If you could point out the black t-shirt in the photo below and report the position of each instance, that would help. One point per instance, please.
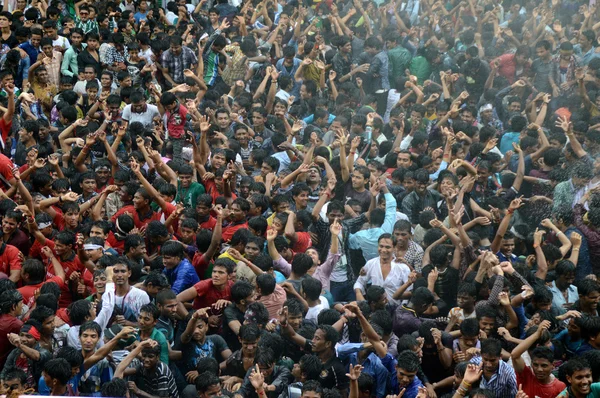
(446, 285)
(12, 41)
(232, 313)
(334, 372)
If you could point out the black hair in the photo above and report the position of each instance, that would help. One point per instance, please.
(491, 346)
(90, 325)
(205, 380)
(301, 263)
(115, 388)
(241, 290)
(408, 361)
(266, 283)
(58, 369)
(151, 309)
(226, 263)
(312, 287)
(72, 355)
(470, 327)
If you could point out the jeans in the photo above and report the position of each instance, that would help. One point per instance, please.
(342, 291)
(178, 144)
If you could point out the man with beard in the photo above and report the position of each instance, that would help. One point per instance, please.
(537, 380)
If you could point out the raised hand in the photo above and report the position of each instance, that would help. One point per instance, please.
(355, 372)
(472, 374)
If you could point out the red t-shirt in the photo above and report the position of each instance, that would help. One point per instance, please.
(229, 230)
(176, 122)
(8, 324)
(118, 245)
(303, 242)
(9, 260)
(208, 295)
(71, 265)
(28, 291)
(140, 222)
(5, 163)
(211, 189)
(200, 264)
(209, 224)
(533, 388)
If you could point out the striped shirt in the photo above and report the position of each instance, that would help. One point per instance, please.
(159, 382)
(503, 383)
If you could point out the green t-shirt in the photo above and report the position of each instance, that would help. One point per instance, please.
(189, 195)
(160, 338)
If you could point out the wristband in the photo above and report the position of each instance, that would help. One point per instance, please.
(510, 211)
(536, 245)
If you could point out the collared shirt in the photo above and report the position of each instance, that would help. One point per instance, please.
(367, 239)
(69, 65)
(32, 51)
(397, 276)
(176, 64)
(182, 277)
(503, 383)
(88, 26)
(371, 365)
(558, 299)
(54, 68)
(321, 228)
(414, 256)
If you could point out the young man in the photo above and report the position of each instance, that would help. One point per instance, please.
(95, 369)
(207, 292)
(147, 320)
(236, 364)
(194, 340)
(265, 373)
(188, 190)
(579, 375)
(141, 210)
(150, 373)
(178, 269)
(57, 373)
(497, 376)
(243, 294)
(407, 317)
(129, 300)
(537, 380)
(323, 345)
(239, 210)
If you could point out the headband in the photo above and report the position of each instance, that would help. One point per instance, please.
(44, 225)
(91, 246)
(486, 107)
(32, 331)
(119, 228)
(515, 233)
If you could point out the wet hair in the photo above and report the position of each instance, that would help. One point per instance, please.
(58, 369)
(408, 361)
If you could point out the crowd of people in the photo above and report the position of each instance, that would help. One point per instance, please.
(283, 199)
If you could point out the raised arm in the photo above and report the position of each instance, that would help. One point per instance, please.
(514, 205)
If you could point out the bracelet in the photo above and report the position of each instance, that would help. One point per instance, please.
(510, 211)
(466, 383)
(60, 199)
(559, 232)
(575, 248)
(536, 245)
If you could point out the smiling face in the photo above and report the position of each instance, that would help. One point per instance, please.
(580, 381)
(385, 248)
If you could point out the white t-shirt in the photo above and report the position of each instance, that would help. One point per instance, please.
(145, 118)
(313, 312)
